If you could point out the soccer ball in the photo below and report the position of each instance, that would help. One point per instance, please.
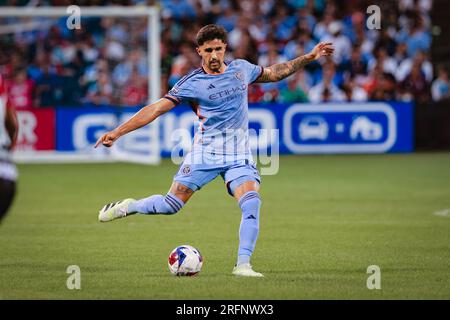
(185, 260)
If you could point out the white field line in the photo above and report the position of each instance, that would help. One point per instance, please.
(442, 213)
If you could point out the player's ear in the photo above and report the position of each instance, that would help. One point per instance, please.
(198, 50)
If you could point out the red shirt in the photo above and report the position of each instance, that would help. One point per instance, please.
(21, 94)
(2, 86)
(134, 95)
(3, 92)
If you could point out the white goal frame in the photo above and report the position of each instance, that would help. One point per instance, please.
(154, 74)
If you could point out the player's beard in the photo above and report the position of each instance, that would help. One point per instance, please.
(214, 65)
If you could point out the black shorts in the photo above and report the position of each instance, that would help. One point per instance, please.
(7, 192)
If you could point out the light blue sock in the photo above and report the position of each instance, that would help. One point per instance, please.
(156, 204)
(250, 204)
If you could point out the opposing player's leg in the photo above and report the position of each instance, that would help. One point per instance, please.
(7, 192)
(243, 184)
(171, 203)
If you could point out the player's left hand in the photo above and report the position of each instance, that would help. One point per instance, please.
(323, 49)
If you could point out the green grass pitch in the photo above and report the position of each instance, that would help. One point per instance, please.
(324, 220)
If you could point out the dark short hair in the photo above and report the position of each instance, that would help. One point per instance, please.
(211, 32)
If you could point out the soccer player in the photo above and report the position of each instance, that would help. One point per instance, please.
(8, 137)
(217, 92)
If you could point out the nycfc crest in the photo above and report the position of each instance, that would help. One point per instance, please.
(239, 76)
(186, 170)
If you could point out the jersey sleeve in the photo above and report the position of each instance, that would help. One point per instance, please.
(181, 92)
(251, 71)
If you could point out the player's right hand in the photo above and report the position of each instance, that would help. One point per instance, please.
(107, 139)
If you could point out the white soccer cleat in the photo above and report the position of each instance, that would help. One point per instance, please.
(245, 270)
(112, 211)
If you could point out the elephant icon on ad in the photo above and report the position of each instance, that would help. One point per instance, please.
(362, 127)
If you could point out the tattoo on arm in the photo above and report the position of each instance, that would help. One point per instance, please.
(280, 71)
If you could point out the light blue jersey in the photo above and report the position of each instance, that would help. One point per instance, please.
(221, 143)
(220, 102)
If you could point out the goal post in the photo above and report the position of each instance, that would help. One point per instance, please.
(150, 133)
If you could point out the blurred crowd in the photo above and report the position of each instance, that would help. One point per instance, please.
(105, 62)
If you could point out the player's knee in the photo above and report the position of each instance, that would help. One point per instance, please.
(173, 204)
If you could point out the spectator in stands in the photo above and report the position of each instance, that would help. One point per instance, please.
(326, 90)
(122, 72)
(386, 42)
(418, 38)
(180, 9)
(373, 79)
(15, 62)
(227, 16)
(284, 24)
(100, 92)
(259, 30)
(49, 92)
(183, 62)
(415, 86)
(272, 56)
(401, 53)
(87, 45)
(255, 94)
(235, 36)
(340, 42)
(114, 50)
(354, 92)
(58, 60)
(356, 67)
(406, 66)
(440, 89)
(387, 63)
(321, 29)
(306, 19)
(385, 90)
(71, 75)
(296, 90)
(247, 49)
(135, 92)
(302, 42)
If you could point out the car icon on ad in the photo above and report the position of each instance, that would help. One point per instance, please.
(365, 129)
(313, 127)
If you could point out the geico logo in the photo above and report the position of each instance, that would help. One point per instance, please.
(27, 124)
(85, 123)
(144, 140)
